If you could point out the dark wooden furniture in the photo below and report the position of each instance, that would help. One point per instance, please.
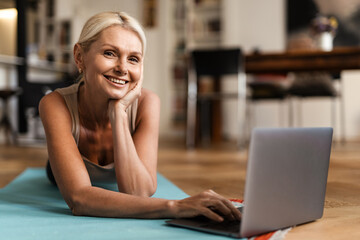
(338, 59)
(214, 63)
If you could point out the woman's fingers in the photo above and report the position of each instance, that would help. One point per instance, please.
(134, 93)
(226, 208)
(128, 99)
(211, 215)
(235, 212)
(209, 204)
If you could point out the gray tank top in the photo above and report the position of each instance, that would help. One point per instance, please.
(97, 173)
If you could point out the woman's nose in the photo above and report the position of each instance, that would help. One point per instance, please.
(121, 68)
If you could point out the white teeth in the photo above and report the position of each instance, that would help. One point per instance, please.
(117, 80)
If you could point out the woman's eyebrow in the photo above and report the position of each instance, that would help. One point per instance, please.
(117, 49)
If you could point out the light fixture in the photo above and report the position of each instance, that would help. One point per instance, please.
(8, 13)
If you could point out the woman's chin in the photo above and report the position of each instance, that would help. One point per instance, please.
(115, 95)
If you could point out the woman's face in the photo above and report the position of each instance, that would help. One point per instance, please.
(114, 63)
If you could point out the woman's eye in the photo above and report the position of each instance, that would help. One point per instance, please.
(134, 59)
(109, 53)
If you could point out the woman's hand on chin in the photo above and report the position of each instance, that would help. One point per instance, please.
(123, 103)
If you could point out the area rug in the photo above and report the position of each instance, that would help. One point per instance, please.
(32, 208)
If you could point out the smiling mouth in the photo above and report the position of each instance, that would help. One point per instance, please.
(115, 80)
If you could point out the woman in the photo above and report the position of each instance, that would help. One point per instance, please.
(105, 128)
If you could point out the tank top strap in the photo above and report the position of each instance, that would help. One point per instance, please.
(70, 95)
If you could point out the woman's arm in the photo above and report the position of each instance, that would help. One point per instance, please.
(72, 177)
(135, 157)
(83, 199)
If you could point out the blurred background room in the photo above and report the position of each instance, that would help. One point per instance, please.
(37, 37)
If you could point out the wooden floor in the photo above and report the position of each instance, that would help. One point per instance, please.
(222, 169)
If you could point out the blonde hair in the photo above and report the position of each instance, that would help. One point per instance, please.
(99, 22)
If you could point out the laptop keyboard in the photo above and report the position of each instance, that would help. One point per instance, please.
(232, 226)
(225, 226)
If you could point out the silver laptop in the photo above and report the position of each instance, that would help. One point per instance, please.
(285, 182)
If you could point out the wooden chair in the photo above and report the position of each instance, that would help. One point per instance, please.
(265, 88)
(319, 85)
(214, 63)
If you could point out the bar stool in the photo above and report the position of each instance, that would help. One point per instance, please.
(10, 132)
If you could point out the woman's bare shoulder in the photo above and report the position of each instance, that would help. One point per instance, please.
(149, 97)
(52, 107)
(149, 106)
(51, 98)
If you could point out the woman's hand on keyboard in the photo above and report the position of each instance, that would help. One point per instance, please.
(209, 204)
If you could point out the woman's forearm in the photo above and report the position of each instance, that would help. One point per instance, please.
(93, 201)
(132, 175)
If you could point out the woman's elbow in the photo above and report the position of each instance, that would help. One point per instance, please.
(76, 204)
(76, 210)
(152, 190)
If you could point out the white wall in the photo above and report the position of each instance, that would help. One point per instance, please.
(351, 86)
(252, 24)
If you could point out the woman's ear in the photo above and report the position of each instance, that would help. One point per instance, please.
(78, 57)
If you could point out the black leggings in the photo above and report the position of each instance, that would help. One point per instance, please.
(50, 174)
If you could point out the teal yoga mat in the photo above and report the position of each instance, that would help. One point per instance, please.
(32, 208)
